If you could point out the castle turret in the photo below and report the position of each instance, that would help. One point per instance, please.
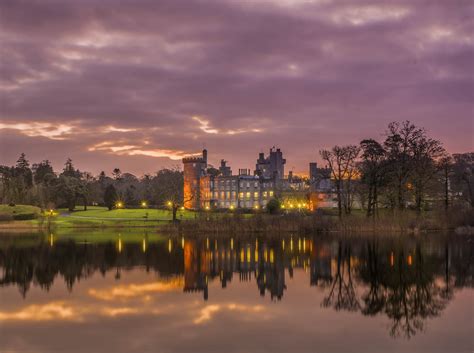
(194, 169)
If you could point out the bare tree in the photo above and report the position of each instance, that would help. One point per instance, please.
(342, 163)
(372, 170)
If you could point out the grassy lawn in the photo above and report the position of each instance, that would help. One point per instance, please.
(141, 214)
(19, 210)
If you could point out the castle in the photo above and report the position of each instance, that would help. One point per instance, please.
(206, 188)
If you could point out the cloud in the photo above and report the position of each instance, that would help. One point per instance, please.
(231, 75)
(48, 130)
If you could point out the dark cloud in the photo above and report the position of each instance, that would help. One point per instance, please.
(299, 74)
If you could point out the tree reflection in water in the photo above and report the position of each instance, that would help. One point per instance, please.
(408, 281)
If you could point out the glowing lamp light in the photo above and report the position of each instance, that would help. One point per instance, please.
(207, 207)
(119, 204)
(182, 208)
(144, 204)
(231, 207)
(257, 207)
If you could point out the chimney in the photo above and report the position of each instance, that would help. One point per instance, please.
(204, 155)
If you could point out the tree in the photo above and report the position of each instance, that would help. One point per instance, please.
(168, 188)
(273, 206)
(372, 170)
(426, 154)
(463, 176)
(342, 163)
(445, 165)
(67, 190)
(69, 170)
(22, 179)
(41, 170)
(130, 198)
(44, 177)
(110, 196)
(116, 173)
(398, 145)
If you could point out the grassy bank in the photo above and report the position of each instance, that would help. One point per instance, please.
(327, 221)
(234, 223)
(94, 217)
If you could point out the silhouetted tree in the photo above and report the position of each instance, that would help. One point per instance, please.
(110, 196)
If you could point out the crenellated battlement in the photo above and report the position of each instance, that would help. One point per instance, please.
(193, 160)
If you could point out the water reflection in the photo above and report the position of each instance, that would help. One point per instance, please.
(406, 280)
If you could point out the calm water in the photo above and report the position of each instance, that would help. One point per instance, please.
(147, 293)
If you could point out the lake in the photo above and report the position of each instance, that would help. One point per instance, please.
(144, 292)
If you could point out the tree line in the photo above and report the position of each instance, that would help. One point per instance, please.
(408, 169)
(40, 185)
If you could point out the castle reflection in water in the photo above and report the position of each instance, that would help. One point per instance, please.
(264, 262)
(407, 280)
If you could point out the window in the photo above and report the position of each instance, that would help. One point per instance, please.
(241, 195)
(256, 184)
(248, 184)
(228, 194)
(255, 194)
(271, 193)
(248, 195)
(264, 194)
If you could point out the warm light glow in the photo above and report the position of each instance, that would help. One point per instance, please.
(119, 204)
(169, 203)
(119, 245)
(144, 204)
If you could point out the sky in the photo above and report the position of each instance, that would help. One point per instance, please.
(139, 84)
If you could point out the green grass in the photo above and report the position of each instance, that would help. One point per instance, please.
(141, 214)
(19, 209)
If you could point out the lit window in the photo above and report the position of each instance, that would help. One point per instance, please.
(248, 195)
(255, 194)
(264, 194)
(241, 195)
(271, 193)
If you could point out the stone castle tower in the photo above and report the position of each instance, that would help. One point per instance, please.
(194, 169)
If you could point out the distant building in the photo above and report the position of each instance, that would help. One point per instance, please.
(313, 171)
(224, 169)
(203, 190)
(272, 166)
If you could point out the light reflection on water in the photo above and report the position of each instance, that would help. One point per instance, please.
(151, 293)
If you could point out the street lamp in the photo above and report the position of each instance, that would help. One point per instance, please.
(144, 204)
(119, 204)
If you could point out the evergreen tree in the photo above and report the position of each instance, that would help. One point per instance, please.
(110, 196)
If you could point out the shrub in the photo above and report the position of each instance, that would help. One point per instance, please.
(273, 206)
(4, 217)
(24, 216)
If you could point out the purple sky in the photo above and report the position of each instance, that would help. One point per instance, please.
(138, 84)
